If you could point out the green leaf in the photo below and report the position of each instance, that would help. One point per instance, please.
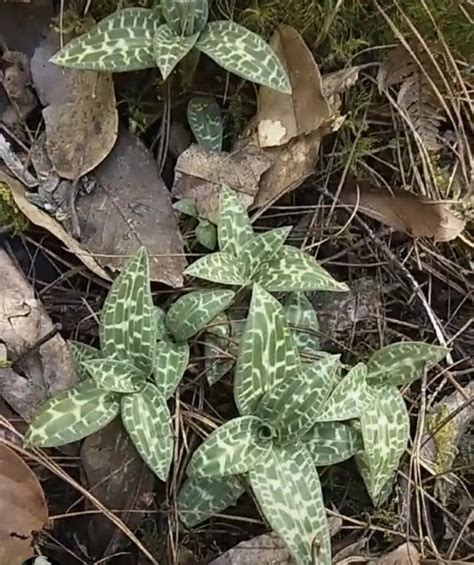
(121, 42)
(403, 362)
(160, 320)
(205, 120)
(221, 268)
(293, 405)
(206, 234)
(262, 247)
(303, 322)
(288, 491)
(200, 498)
(128, 320)
(82, 352)
(348, 400)
(234, 448)
(170, 48)
(332, 442)
(115, 376)
(218, 348)
(244, 53)
(185, 17)
(169, 366)
(385, 430)
(186, 206)
(267, 354)
(193, 311)
(147, 419)
(234, 228)
(293, 270)
(72, 415)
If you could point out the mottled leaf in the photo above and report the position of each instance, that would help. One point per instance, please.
(332, 442)
(267, 354)
(220, 267)
(114, 375)
(169, 365)
(244, 53)
(303, 322)
(234, 448)
(121, 42)
(193, 311)
(82, 352)
(262, 247)
(217, 348)
(204, 117)
(185, 17)
(234, 228)
(147, 419)
(170, 48)
(160, 320)
(72, 415)
(206, 234)
(289, 493)
(294, 270)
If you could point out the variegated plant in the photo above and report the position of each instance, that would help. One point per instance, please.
(204, 230)
(138, 38)
(143, 357)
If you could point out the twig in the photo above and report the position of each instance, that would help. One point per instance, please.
(41, 341)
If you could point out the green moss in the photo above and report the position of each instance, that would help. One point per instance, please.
(444, 438)
(10, 215)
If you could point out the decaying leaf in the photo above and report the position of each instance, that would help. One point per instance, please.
(405, 554)
(129, 208)
(281, 117)
(22, 508)
(404, 211)
(336, 83)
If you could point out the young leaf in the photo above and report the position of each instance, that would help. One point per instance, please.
(170, 48)
(293, 405)
(206, 234)
(193, 311)
(82, 352)
(385, 430)
(186, 206)
(147, 419)
(73, 415)
(401, 363)
(349, 398)
(234, 448)
(262, 247)
(185, 17)
(200, 498)
(294, 270)
(221, 268)
(128, 320)
(121, 42)
(332, 442)
(303, 323)
(267, 354)
(169, 365)
(288, 491)
(234, 228)
(204, 117)
(114, 375)
(243, 53)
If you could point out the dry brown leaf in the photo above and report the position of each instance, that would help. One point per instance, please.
(405, 554)
(414, 215)
(281, 117)
(23, 508)
(336, 83)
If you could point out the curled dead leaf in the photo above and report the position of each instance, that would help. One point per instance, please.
(405, 554)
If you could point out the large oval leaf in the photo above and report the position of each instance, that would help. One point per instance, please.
(114, 375)
(170, 48)
(169, 365)
(73, 415)
(332, 442)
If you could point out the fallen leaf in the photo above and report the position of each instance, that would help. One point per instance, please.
(22, 507)
(336, 83)
(404, 211)
(131, 207)
(40, 218)
(405, 554)
(281, 117)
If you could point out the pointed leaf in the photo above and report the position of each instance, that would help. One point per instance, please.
(332, 442)
(244, 53)
(289, 493)
(204, 117)
(401, 363)
(82, 352)
(303, 322)
(385, 430)
(115, 376)
(294, 270)
(294, 404)
(72, 415)
(185, 17)
(234, 228)
(200, 498)
(221, 268)
(232, 449)
(121, 42)
(262, 247)
(193, 311)
(349, 398)
(160, 319)
(169, 49)
(128, 318)
(206, 234)
(218, 348)
(147, 419)
(267, 354)
(169, 365)
(186, 206)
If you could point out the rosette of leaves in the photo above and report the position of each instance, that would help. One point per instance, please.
(139, 38)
